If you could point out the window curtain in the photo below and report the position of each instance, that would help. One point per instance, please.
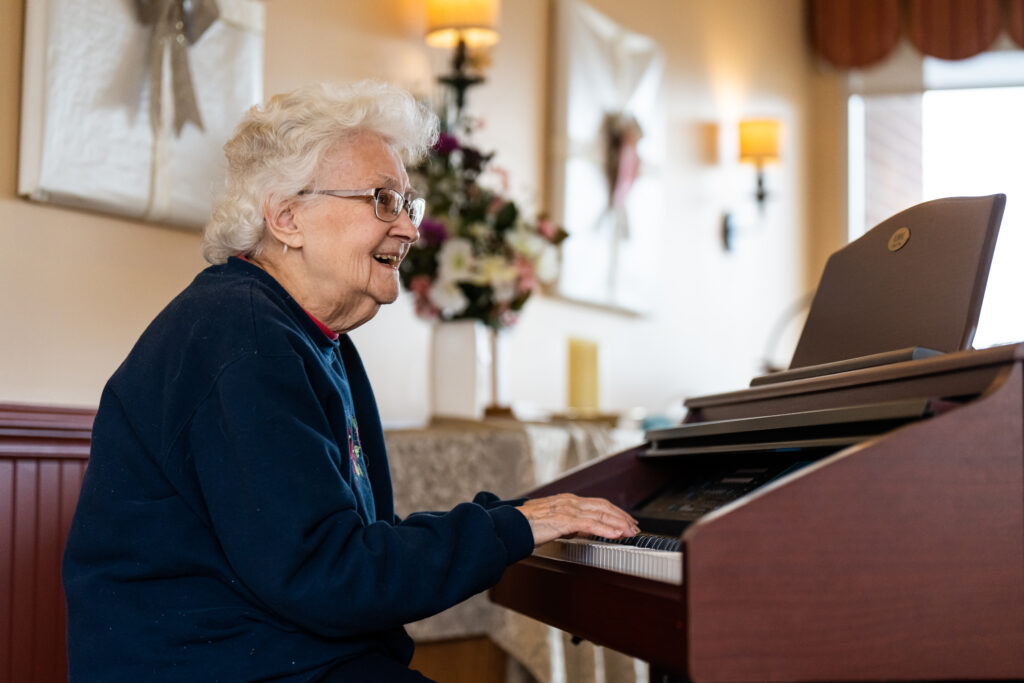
(858, 33)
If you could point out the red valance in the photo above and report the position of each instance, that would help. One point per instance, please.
(852, 33)
(1015, 21)
(953, 29)
(858, 33)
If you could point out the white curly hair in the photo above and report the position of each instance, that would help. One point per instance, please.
(277, 150)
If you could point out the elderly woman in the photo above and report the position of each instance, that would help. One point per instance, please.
(236, 519)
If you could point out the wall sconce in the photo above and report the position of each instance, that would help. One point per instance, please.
(461, 24)
(759, 145)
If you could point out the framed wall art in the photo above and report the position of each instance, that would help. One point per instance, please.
(604, 160)
(126, 104)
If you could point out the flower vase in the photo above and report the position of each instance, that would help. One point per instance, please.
(465, 371)
(496, 407)
(460, 369)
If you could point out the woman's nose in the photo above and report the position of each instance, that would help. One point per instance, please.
(403, 229)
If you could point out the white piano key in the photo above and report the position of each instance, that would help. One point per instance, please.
(659, 565)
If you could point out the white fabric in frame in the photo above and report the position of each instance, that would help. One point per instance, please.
(602, 67)
(86, 139)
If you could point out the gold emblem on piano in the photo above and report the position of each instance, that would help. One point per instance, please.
(899, 238)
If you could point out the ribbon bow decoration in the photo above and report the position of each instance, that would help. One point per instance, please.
(176, 25)
(621, 134)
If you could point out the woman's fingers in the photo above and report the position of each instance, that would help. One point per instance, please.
(566, 515)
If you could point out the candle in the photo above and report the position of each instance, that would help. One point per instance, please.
(583, 386)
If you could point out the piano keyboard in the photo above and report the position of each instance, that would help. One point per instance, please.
(649, 557)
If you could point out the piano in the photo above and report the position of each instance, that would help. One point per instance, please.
(854, 518)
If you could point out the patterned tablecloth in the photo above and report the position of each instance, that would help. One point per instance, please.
(448, 462)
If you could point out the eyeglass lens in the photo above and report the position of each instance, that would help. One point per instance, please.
(389, 204)
(417, 208)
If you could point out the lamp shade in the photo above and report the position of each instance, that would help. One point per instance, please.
(474, 21)
(759, 140)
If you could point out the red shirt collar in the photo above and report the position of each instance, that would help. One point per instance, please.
(328, 332)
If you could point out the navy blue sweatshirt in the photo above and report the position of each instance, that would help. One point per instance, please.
(236, 518)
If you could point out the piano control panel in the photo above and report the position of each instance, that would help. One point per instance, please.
(701, 490)
(713, 463)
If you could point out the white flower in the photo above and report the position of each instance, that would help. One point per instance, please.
(548, 263)
(448, 297)
(500, 275)
(456, 261)
(481, 232)
(526, 242)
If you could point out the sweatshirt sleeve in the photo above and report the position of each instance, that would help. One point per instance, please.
(489, 500)
(273, 479)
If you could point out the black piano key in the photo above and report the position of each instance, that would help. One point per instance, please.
(647, 541)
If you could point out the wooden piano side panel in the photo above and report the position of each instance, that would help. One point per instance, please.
(43, 454)
(899, 559)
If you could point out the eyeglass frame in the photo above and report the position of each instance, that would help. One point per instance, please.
(373, 193)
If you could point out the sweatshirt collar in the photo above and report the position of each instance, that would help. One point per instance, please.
(327, 332)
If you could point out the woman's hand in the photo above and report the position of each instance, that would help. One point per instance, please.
(568, 515)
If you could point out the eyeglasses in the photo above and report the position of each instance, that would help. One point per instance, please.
(387, 203)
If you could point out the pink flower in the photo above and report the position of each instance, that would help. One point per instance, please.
(420, 285)
(526, 275)
(426, 310)
(547, 228)
(502, 176)
(508, 318)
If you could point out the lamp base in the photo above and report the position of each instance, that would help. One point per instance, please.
(494, 410)
(459, 80)
(762, 193)
(728, 232)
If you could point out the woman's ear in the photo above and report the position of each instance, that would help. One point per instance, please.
(282, 225)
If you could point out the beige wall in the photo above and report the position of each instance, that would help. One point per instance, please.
(76, 289)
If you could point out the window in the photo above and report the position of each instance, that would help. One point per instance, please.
(948, 141)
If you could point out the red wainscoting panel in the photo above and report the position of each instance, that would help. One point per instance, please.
(43, 453)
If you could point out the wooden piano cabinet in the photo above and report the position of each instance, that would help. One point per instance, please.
(43, 452)
(898, 559)
(640, 617)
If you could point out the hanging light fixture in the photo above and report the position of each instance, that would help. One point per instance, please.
(461, 25)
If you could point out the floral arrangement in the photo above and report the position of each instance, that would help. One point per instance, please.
(477, 258)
